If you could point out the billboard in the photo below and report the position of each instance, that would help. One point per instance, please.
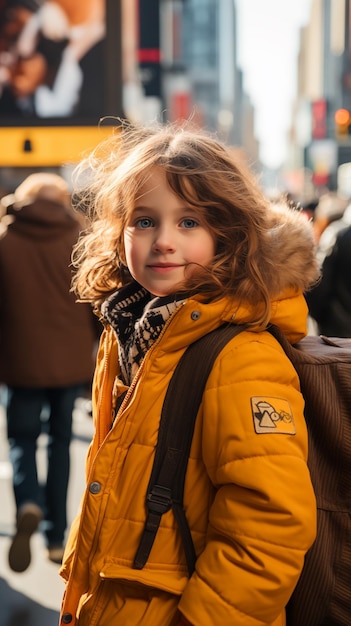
(60, 73)
(52, 60)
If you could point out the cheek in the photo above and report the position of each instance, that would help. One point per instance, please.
(126, 241)
(127, 249)
(132, 249)
(203, 250)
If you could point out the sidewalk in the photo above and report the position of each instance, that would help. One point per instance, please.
(33, 598)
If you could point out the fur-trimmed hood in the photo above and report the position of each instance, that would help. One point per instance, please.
(290, 258)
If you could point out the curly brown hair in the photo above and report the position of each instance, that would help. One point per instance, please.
(201, 171)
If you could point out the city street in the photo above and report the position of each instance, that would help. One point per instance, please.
(33, 598)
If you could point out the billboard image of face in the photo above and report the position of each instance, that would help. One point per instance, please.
(51, 60)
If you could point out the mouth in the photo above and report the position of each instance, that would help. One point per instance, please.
(163, 267)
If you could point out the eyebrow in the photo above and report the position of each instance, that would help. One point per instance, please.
(188, 209)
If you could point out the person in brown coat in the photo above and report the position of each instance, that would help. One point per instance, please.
(47, 349)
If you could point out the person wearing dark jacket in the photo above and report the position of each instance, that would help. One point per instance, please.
(329, 302)
(47, 349)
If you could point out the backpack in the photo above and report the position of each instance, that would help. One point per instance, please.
(322, 596)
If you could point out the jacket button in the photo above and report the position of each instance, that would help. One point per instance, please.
(66, 618)
(195, 315)
(95, 487)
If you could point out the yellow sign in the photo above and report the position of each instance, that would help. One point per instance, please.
(45, 146)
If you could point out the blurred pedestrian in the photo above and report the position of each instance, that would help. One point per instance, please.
(47, 344)
(329, 301)
(330, 208)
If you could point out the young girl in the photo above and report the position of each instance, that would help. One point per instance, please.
(182, 241)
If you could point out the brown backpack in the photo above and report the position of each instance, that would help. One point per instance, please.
(322, 596)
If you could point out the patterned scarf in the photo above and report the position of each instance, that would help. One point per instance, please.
(137, 318)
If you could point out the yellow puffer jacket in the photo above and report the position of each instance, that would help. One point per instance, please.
(248, 495)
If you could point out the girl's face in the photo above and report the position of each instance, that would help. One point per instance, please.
(164, 238)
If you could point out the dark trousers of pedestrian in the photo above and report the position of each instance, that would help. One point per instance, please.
(25, 423)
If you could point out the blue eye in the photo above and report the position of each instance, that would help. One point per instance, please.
(144, 222)
(189, 223)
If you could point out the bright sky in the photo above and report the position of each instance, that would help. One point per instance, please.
(268, 38)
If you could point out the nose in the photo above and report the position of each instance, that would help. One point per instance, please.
(164, 240)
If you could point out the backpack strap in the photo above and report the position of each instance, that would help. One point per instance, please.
(177, 422)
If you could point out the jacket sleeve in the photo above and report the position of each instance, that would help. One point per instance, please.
(263, 516)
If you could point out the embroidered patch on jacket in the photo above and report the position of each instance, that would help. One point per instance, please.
(272, 415)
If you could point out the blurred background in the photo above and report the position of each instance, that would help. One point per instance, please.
(273, 79)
